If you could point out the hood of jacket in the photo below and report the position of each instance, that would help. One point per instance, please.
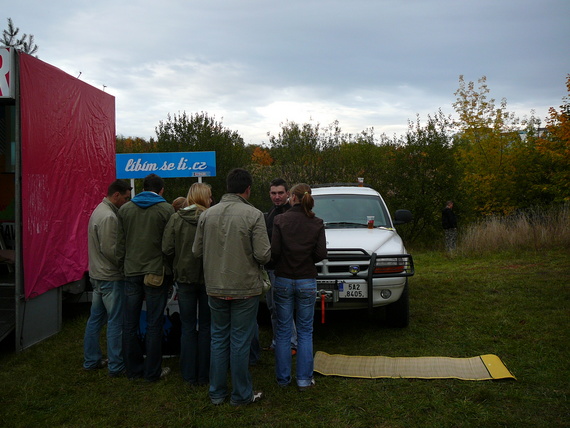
(147, 199)
(188, 214)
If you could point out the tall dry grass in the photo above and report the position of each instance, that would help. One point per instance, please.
(534, 229)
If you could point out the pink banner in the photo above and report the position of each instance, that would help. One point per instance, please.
(68, 161)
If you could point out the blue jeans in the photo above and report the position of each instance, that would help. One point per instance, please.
(271, 306)
(233, 327)
(106, 308)
(135, 291)
(294, 296)
(194, 343)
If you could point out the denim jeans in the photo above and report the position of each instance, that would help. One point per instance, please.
(294, 296)
(135, 291)
(106, 308)
(271, 306)
(255, 348)
(233, 327)
(195, 338)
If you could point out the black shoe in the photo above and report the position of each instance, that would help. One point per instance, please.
(304, 388)
(101, 364)
(120, 373)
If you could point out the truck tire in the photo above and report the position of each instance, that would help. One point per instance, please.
(398, 313)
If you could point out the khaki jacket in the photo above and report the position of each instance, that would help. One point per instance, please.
(177, 246)
(101, 242)
(232, 239)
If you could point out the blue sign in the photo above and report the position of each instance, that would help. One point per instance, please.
(166, 164)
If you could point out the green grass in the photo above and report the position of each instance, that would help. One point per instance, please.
(514, 305)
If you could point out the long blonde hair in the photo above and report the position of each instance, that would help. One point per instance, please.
(200, 194)
(302, 192)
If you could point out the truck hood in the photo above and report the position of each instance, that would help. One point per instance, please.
(378, 240)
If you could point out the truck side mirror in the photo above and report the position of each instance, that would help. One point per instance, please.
(402, 217)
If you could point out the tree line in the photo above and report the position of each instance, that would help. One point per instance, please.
(487, 160)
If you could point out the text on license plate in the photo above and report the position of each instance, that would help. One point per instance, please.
(350, 290)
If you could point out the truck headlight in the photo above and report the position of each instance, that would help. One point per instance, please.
(384, 266)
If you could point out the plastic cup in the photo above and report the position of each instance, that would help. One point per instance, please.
(360, 181)
(370, 221)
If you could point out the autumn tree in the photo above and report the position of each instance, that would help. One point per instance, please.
(554, 147)
(25, 43)
(261, 156)
(485, 137)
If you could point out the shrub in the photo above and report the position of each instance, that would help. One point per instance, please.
(535, 229)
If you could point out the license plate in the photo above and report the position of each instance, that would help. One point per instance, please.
(351, 290)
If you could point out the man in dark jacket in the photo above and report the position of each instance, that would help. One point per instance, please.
(139, 250)
(279, 194)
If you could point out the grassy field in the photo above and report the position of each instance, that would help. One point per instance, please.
(515, 305)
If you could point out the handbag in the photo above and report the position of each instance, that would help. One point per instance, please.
(153, 280)
(265, 281)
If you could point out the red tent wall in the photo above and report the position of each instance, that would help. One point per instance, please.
(67, 163)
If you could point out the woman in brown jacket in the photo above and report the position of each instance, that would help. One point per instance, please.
(297, 243)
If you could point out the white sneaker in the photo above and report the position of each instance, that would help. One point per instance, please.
(165, 372)
(257, 396)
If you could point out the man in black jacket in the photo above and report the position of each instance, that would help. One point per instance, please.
(279, 194)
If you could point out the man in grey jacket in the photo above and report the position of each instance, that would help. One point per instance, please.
(107, 281)
(232, 239)
(139, 249)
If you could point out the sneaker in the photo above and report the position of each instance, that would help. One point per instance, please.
(218, 401)
(101, 364)
(304, 388)
(255, 398)
(165, 372)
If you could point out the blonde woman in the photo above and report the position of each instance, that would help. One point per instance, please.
(189, 276)
(297, 243)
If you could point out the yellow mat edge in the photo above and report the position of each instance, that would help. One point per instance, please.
(496, 368)
(493, 364)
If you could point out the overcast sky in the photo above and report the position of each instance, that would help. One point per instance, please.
(254, 64)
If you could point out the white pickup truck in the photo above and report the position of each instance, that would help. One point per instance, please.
(367, 264)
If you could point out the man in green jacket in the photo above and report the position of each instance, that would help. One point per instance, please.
(139, 250)
(232, 239)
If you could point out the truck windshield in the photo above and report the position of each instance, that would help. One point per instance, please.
(345, 211)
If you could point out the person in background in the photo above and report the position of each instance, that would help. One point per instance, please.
(179, 203)
(232, 239)
(279, 194)
(107, 281)
(139, 249)
(449, 223)
(189, 276)
(297, 243)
